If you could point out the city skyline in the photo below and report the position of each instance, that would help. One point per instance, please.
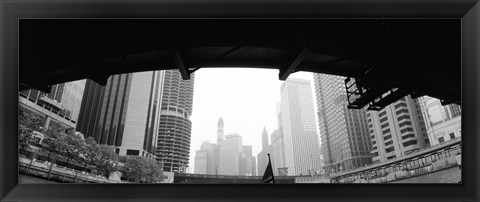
(236, 100)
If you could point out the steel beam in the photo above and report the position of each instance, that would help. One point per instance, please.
(284, 74)
(179, 63)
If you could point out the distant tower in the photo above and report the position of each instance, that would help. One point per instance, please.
(220, 130)
(264, 139)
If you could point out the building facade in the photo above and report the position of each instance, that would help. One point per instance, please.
(173, 145)
(301, 143)
(397, 130)
(443, 122)
(344, 132)
(124, 113)
(61, 104)
(278, 151)
(230, 154)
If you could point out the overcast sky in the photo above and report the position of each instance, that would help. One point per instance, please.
(245, 98)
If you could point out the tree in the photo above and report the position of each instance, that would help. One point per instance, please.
(52, 141)
(139, 169)
(132, 168)
(104, 158)
(72, 145)
(27, 123)
(154, 172)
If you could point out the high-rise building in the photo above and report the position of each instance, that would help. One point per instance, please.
(230, 154)
(173, 146)
(344, 132)
(397, 130)
(443, 122)
(277, 150)
(302, 151)
(247, 162)
(124, 113)
(202, 158)
(61, 104)
(228, 157)
(262, 156)
(278, 146)
(220, 130)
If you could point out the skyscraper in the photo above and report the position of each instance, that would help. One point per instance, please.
(302, 151)
(278, 146)
(230, 154)
(247, 162)
(61, 104)
(278, 151)
(443, 122)
(262, 156)
(344, 132)
(396, 130)
(173, 145)
(220, 130)
(124, 113)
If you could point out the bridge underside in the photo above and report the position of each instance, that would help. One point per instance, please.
(399, 57)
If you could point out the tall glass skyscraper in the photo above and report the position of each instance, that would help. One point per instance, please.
(61, 104)
(345, 141)
(302, 149)
(124, 113)
(173, 145)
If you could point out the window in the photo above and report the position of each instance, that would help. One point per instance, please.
(387, 137)
(391, 157)
(117, 150)
(402, 111)
(407, 136)
(408, 143)
(427, 141)
(441, 140)
(388, 143)
(406, 130)
(400, 105)
(383, 119)
(403, 117)
(452, 135)
(408, 123)
(133, 152)
(382, 113)
(384, 125)
(390, 149)
(386, 131)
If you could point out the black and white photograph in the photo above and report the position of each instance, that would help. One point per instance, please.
(244, 100)
(240, 101)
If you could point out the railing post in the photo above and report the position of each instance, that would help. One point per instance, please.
(76, 175)
(31, 161)
(50, 171)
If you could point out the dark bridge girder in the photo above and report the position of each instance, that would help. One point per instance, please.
(417, 57)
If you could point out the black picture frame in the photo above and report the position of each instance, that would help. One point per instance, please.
(467, 10)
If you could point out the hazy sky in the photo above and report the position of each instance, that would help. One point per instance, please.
(245, 98)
